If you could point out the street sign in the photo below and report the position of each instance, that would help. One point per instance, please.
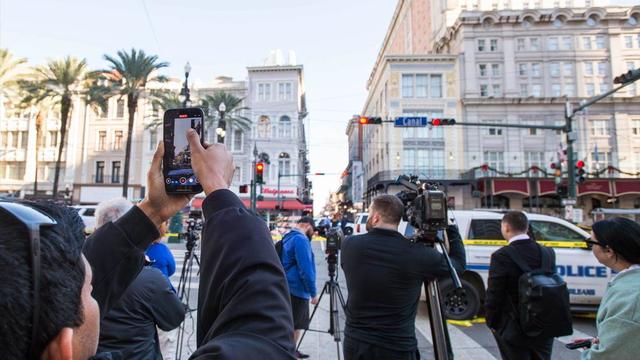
(568, 212)
(578, 215)
(411, 121)
(566, 202)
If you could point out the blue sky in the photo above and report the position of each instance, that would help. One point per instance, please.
(336, 40)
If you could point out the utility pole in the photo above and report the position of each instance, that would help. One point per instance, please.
(254, 194)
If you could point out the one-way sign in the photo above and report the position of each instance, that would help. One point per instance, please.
(411, 121)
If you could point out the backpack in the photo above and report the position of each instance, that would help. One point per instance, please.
(279, 245)
(543, 298)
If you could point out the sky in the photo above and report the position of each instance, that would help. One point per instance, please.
(337, 41)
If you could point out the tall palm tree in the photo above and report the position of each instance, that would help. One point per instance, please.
(233, 113)
(9, 72)
(130, 72)
(56, 82)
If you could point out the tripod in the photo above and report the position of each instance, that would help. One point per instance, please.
(332, 288)
(184, 286)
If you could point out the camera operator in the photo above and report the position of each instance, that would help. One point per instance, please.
(244, 301)
(385, 272)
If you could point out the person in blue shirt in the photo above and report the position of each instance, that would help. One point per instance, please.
(299, 265)
(160, 255)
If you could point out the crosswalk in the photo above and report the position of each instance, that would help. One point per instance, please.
(469, 343)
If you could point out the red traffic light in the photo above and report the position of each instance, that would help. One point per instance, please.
(260, 167)
(580, 164)
(435, 122)
(369, 120)
(363, 120)
(442, 121)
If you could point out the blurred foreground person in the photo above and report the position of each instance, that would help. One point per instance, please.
(245, 311)
(149, 303)
(616, 245)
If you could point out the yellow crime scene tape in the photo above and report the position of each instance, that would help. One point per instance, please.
(557, 244)
(467, 323)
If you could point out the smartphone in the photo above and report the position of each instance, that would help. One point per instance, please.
(578, 345)
(179, 177)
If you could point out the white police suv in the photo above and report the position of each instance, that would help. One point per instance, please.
(480, 230)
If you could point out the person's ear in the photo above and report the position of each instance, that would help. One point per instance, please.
(61, 347)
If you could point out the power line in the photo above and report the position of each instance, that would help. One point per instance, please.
(153, 31)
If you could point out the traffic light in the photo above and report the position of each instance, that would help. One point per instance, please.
(243, 189)
(628, 77)
(442, 122)
(557, 172)
(580, 172)
(259, 173)
(369, 120)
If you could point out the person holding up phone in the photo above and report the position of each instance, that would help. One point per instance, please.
(616, 244)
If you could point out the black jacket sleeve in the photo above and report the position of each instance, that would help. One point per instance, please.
(116, 254)
(496, 298)
(243, 301)
(435, 263)
(163, 304)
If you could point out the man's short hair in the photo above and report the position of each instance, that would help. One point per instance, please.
(111, 210)
(61, 279)
(517, 220)
(389, 207)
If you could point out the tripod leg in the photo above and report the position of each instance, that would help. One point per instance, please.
(315, 308)
(439, 331)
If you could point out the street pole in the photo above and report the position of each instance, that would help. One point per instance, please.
(568, 117)
(278, 197)
(185, 93)
(254, 194)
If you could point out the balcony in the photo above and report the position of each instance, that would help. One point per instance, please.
(422, 173)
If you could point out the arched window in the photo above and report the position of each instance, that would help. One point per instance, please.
(263, 127)
(284, 164)
(285, 127)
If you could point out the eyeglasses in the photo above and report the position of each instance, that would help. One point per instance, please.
(33, 220)
(591, 242)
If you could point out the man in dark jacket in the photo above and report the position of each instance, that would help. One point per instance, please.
(384, 273)
(501, 300)
(245, 311)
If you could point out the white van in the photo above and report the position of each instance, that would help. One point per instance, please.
(360, 225)
(480, 230)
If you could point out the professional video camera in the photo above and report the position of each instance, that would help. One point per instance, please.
(194, 229)
(334, 237)
(425, 207)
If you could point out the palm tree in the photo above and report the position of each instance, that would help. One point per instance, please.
(57, 82)
(9, 72)
(232, 113)
(162, 100)
(129, 73)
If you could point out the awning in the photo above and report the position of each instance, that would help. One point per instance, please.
(626, 187)
(602, 187)
(286, 204)
(546, 187)
(504, 186)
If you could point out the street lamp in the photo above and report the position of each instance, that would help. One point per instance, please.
(184, 95)
(222, 125)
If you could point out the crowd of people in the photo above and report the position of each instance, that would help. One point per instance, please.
(108, 296)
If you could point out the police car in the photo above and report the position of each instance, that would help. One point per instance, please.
(480, 230)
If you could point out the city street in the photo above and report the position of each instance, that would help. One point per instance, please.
(473, 342)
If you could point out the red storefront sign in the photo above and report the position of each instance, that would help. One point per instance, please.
(546, 187)
(626, 187)
(504, 186)
(602, 187)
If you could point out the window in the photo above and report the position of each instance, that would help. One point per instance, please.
(482, 69)
(15, 170)
(494, 131)
(484, 90)
(153, 139)
(117, 140)
(600, 128)
(600, 44)
(523, 69)
(535, 69)
(497, 92)
(599, 160)
(485, 230)
(588, 68)
(520, 46)
(237, 139)
(550, 231)
(102, 140)
(115, 172)
(494, 45)
(638, 40)
(628, 42)
(494, 159)
(604, 87)
(631, 65)
(284, 164)
(264, 127)
(556, 89)
(552, 43)
(534, 44)
(586, 43)
(525, 4)
(536, 90)
(285, 127)
(567, 43)
(13, 139)
(421, 85)
(524, 90)
(590, 89)
(24, 139)
(554, 69)
(569, 90)
(53, 138)
(602, 68)
(436, 86)
(495, 70)
(103, 113)
(407, 86)
(264, 92)
(567, 69)
(99, 178)
(481, 45)
(120, 109)
(533, 158)
(635, 127)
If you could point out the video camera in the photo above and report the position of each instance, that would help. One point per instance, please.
(194, 229)
(425, 206)
(334, 237)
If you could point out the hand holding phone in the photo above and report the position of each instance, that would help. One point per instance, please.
(176, 167)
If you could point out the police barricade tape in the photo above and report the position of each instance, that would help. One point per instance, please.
(467, 323)
(557, 244)
(276, 237)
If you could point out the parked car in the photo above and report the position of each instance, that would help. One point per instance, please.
(88, 215)
(360, 225)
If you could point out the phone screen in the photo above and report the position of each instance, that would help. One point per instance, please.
(178, 173)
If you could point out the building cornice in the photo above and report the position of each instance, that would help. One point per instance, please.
(274, 68)
(538, 101)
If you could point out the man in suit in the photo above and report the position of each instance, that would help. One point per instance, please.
(501, 300)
